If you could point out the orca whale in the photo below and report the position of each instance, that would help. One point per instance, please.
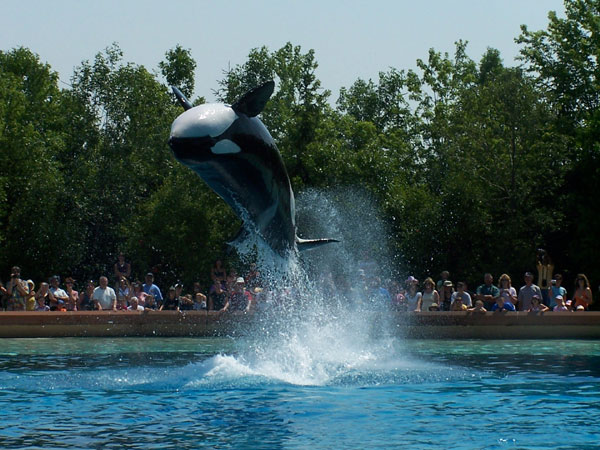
(233, 152)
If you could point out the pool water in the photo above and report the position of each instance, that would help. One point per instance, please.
(219, 393)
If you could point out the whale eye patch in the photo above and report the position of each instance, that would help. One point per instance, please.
(219, 145)
(224, 147)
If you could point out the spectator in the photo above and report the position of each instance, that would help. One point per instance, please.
(186, 303)
(217, 299)
(72, 295)
(400, 303)
(44, 295)
(527, 292)
(478, 307)
(252, 277)
(17, 291)
(139, 293)
(122, 269)
(86, 298)
(58, 297)
(555, 289)
(218, 272)
(197, 288)
(502, 305)
(171, 302)
(413, 298)
(560, 304)
(231, 280)
(150, 288)
(537, 305)
(446, 295)
(508, 292)
(429, 295)
(40, 304)
(379, 297)
(104, 296)
(122, 304)
(200, 302)
(458, 305)
(545, 267)
(150, 303)
(487, 292)
(178, 291)
(134, 306)
(463, 294)
(434, 307)
(444, 276)
(30, 300)
(3, 296)
(240, 299)
(124, 292)
(359, 290)
(583, 293)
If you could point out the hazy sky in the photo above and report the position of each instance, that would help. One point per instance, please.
(351, 38)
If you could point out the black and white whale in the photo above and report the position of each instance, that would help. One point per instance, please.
(232, 151)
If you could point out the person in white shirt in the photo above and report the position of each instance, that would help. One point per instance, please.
(134, 306)
(104, 296)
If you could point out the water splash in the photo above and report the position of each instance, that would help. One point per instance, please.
(316, 322)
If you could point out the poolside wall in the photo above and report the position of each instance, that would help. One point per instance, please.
(425, 325)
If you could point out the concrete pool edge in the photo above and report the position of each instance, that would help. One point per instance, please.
(425, 325)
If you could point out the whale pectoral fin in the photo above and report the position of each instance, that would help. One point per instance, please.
(182, 99)
(240, 237)
(308, 244)
(254, 101)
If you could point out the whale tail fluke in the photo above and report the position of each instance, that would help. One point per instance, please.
(308, 244)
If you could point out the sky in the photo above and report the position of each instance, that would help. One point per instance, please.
(352, 39)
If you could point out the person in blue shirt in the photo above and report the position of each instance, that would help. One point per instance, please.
(150, 288)
(555, 289)
(501, 305)
(379, 297)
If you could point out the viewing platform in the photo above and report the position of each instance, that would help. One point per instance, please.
(424, 325)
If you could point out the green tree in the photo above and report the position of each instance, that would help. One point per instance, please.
(116, 154)
(33, 228)
(178, 69)
(564, 60)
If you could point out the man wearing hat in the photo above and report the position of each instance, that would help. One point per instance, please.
(240, 299)
(151, 289)
(527, 292)
(560, 304)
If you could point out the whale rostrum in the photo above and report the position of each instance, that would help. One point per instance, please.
(233, 152)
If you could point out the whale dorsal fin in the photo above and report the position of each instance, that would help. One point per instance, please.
(254, 101)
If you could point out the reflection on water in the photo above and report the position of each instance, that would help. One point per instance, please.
(192, 393)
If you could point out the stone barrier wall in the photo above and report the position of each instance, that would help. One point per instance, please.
(425, 325)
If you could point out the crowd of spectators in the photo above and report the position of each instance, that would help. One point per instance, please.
(445, 296)
(231, 292)
(228, 292)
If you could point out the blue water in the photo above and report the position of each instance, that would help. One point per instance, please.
(219, 393)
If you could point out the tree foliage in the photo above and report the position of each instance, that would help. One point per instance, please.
(472, 164)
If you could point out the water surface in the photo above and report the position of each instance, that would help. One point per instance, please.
(220, 393)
